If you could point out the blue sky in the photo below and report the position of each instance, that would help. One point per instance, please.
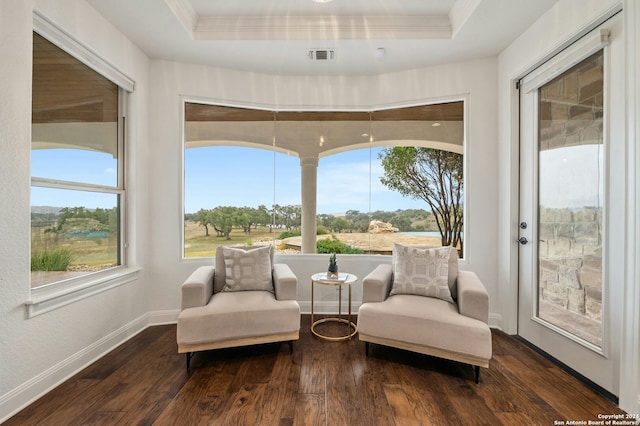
(236, 176)
(73, 165)
(213, 177)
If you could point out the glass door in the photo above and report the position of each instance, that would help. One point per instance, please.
(566, 201)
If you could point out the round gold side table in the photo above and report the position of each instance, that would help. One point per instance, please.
(343, 279)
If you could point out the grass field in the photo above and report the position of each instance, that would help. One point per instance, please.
(99, 253)
(92, 252)
(199, 245)
(196, 244)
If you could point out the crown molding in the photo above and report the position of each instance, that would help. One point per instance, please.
(338, 27)
(321, 27)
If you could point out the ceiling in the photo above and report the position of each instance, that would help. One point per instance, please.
(368, 37)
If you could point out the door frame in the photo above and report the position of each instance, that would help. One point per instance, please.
(577, 354)
(513, 65)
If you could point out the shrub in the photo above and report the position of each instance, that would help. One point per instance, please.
(289, 234)
(51, 260)
(321, 230)
(333, 245)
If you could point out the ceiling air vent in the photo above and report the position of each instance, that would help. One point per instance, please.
(321, 54)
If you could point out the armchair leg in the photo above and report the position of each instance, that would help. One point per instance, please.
(366, 348)
(477, 371)
(290, 342)
(189, 354)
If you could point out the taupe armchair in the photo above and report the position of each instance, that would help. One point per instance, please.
(244, 300)
(455, 328)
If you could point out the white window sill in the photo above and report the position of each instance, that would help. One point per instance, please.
(48, 298)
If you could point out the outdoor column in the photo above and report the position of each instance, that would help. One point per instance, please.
(309, 166)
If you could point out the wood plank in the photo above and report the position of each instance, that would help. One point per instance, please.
(342, 396)
(313, 372)
(405, 409)
(145, 381)
(310, 410)
(279, 403)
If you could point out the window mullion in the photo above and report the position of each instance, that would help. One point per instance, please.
(62, 184)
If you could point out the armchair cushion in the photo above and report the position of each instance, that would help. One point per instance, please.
(237, 315)
(421, 271)
(425, 322)
(247, 269)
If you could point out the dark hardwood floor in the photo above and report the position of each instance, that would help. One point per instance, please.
(145, 381)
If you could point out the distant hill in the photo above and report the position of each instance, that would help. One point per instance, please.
(45, 210)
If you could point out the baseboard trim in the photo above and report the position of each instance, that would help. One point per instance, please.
(495, 321)
(17, 399)
(164, 317)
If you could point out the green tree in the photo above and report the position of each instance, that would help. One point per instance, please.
(289, 216)
(403, 223)
(203, 218)
(434, 176)
(260, 216)
(339, 224)
(382, 216)
(82, 215)
(358, 221)
(223, 218)
(325, 219)
(244, 219)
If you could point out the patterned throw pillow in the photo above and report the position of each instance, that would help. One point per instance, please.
(247, 269)
(422, 272)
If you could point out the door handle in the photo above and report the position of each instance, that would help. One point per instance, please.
(523, 240)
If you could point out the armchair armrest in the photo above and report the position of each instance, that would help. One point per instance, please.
(473, 299)
(376, 285)
(198, 288)
(285, 282)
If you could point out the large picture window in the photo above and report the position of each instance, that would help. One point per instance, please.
(370, 179)
(77, 178)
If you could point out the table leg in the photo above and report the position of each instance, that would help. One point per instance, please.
(312, 286)
(340, 302)
(349, 320)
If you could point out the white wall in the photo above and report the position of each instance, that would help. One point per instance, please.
(170, 81)
(38, 353)
(562, 24)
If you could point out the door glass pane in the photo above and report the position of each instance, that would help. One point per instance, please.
(571, 200)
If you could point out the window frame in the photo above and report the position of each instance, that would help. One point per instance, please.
(464, 99)
(52, 295)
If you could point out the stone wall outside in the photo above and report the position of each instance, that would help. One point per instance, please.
(570, 253)
(570, 246)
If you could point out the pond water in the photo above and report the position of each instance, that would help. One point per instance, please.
(92, 234)
(424, 234)
(420, 234)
